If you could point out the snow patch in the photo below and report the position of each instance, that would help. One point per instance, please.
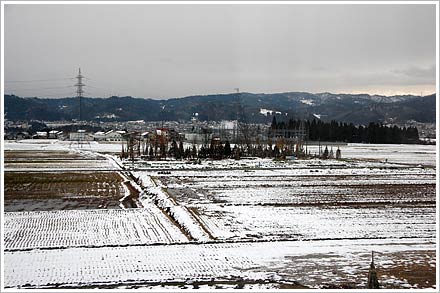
(266, 112)
(307, 102)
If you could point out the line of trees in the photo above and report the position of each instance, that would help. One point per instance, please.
(348, 132)
(217, 150)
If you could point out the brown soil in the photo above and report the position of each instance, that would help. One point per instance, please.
(416, 273)
(40, 191)
(27, 185)
(35, 155)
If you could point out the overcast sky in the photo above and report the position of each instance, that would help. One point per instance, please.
(163, 51)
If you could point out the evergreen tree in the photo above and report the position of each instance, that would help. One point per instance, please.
(187, 153)
(325, 154)
(151, 152)
(274, 123)
(173, 150)
(194, 151)
(228, 150)
(276, 152)
(181, 150)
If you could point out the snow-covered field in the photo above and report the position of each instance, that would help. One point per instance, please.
(269, 207)
(72, 228)
(399, 153)
(59, 165)
(301, 186)
(60, 145)
(298, 203)
(266, 222)
(280, 223)
(311, 263)
(54, 155)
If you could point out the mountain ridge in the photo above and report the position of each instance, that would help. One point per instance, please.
(354, 108)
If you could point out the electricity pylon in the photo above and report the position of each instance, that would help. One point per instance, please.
(79, 91)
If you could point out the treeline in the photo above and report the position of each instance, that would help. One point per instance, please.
(348, 132)
(216, 150)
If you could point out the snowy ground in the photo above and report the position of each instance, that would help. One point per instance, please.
(60, 145)
(56, 229)
(311, 263)
(300, 204)
(399, 153)
(259, 222)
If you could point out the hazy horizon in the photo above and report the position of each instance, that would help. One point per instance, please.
(231, 93)
(173, 51)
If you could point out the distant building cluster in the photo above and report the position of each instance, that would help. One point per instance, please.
(110, 135)
(214, 139)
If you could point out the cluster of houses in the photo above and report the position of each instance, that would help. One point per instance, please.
(122, 135)
(194, 131)
(53, 134)
(110, 135)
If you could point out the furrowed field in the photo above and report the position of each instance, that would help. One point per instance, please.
(78, 217)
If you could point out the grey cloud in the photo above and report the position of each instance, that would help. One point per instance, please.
(163, 51)
(422, 73)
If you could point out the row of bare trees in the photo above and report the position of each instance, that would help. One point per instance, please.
(215, 150)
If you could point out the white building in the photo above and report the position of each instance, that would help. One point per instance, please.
(40, 134)
(115, 135)
(80, 135)
(100, 135)
(55, 134)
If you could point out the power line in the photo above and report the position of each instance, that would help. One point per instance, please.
(52, 90)
(52, 94)
(41, 88)
(37, 80)
(97, 94)
(96, 87)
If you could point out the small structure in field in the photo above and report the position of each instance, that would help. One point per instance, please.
(373, 282)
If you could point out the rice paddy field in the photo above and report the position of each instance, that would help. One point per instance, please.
(252, 223)
(33, 191)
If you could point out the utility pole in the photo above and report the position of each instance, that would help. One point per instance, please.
(243, 126)
(79, 91)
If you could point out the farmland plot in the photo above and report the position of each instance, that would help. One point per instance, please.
(54, 145)
(255, 221)
(73, 228)
(30, 191)
(36, 145)
(394, 153)
(30, 155)
(250, 164)
(302, 191)
(58, 165)
(298, 204)
(60, 159)
(305, 223)
(316, 264)
(52, 177)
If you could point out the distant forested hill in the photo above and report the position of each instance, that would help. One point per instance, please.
(358, 109)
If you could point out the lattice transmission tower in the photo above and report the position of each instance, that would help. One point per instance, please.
(79, 91)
